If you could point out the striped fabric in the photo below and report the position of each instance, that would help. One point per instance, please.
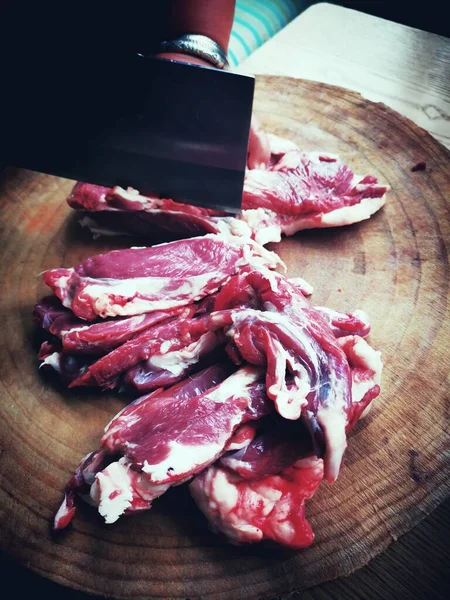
(256, 21)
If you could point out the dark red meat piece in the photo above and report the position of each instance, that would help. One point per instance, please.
(140, 280)
(172, 438)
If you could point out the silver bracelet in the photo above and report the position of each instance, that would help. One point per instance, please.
(200, 46)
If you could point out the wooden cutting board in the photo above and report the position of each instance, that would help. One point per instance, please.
(394, 266)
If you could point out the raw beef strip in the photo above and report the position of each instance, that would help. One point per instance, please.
(170, 439)
(68, 366)
(77, 336)
(140, 280)
(271, 508)
(79, 484)
(343, 324)
(277, 445)
(115, 485)
(163, 369)
(47, 311)
(108, 206)
(298, 191)
(307, 372)
(310, 184)
(154, 341)
(158, 357)
(366, 367)
(118, 489)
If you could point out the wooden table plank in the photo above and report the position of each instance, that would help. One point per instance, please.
(407, 69)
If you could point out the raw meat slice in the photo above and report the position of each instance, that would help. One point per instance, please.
(130, 492)
(77, 336)
(298, 191)
(142, 213)
(69, 367)
(118, 489)
(139, 280)
(172, 438)
(98, 338)
(271, 508)
(278, 445)
(291, 338)
(243, 436)
(275, 443)
(47, 311)
(79, 484)
(366, 367)
(301, 184)
(163, 369)
(93, 197)
(155, 340)
(343, 324)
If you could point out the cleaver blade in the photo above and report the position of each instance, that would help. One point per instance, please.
(168, 129)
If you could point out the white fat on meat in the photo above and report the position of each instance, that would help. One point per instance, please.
(65, 291)
(333, 420)
(130, 288)
(231, 227)
(215, 495)
(178, 361)
(362, 356)
(301, 285)
(235, 384)
(117, 485)
(130, 194)
(184, 457)
(279, 145)
(289, 402)
(62, 513)
(257, 256)
(263, 224)
(53, 360)
(347, 215)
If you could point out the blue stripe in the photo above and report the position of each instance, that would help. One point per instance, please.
(246, 47)
(287, 9)
(239, 49)
(233, 58)
(255, 33)
(275, 12)
(262, 19)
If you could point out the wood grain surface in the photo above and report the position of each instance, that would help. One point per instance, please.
(405, 68)
(393, 266)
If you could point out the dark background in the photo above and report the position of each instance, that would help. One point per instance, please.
(428, 15)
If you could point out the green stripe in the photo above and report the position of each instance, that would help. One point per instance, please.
(255, 33)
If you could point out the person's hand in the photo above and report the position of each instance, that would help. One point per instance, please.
(258, 146)
(183, 58)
